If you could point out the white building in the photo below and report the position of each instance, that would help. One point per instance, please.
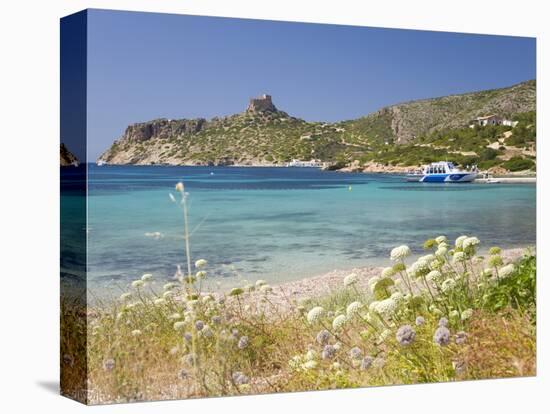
(492, 120)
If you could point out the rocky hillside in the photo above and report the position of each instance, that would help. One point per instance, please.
(66, 157)
(265, 135)
(404, 122)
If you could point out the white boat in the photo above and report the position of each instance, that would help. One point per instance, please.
(443, 172)
(100, 163)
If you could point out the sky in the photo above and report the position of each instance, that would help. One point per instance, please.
(143, 66)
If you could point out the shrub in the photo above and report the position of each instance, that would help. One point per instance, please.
(518, 164)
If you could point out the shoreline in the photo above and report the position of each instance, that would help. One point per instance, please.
(510, 177)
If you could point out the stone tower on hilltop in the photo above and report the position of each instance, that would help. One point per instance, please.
(261, 104)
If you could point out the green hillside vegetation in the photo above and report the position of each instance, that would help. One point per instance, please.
(408, 134)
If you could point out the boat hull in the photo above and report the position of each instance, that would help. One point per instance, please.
(449, 178)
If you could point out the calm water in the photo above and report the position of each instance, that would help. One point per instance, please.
(283, 223)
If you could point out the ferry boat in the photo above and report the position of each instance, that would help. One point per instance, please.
(443, 172)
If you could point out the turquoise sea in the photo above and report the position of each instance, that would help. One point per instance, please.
(281, 224)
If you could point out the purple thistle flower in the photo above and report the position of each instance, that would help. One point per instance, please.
(420, 321)
(183, 374)
(243, 342)
(355, 353)
(366, 362)
(329, 351)
(199, 325)
(442, 336)
(443, 322)
(239, 378)
(323, 337)
(461, 337)
(109, 364)
(405, 335)
(188, 337)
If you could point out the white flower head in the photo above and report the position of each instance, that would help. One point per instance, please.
(339, 322)
(147, 277)
(125, 296)
(353, 308)
(459, 257)
(199, 264)
(260, 283)
(160, 301)
(470, 242)
(315, 314)
(179, 187)
(351, 279)
(441, 251)
(387, 272)
(440, 239)
(178, 326)
(372, 282)
(506, 271)
(138, 283)
(434, 275)
(459, 241)
(467, 314)
(400, 253)
(448, 285)
(386, 307)
(136, 332)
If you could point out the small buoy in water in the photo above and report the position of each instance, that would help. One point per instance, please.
(349, 188)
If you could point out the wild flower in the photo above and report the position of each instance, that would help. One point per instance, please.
(310, 364)
(387, 272)
(265, 289)
(189, 359)
(442, 336)
(460, 337)
(459, 257)
(236, 292)
(441, 251)
(339, 322)
(188, 337)
(443, 322)
(434, 275)
(351, 279)
(459, 241)
(448, 285)
(397, 297)
(454, 314)
(353, 308)
(355, 353)
(260, 283)
(315, 314)
(174, 316)
(201, 274)
(183, 374)
(420, 321)
(400, 252)
(494, 251)
(405, 335)
(170, 286)
(467, 314)
(337, 345)
(440, 239)
(495, 261)
(239, 378)
(249, 287)
(136, 332)
(323, 337)
(178, 326)
(506, 271)
(419, 268)
(366, 362)
(329, 351)
(109, 364)
(386, 307)
(125, 296)
(243, 342)
(206, 331)
(138, 283)
(398, 267)
(470, 242)
(427, 258)
(159, 301)
(147, 277)
(199, 264)
(180, 187)
(199, 325)
(372, 282)
(311, 355)
(216, 319)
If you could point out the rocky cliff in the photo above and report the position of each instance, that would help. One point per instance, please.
(66, 157)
